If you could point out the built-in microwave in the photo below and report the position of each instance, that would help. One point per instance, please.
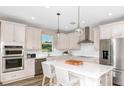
(12, 50)
(12, 63)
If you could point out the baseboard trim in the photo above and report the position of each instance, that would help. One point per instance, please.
(11, 81)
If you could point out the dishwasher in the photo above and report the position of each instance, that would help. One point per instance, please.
(38, 66)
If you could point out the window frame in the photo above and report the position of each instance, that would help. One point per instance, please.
(52, 43)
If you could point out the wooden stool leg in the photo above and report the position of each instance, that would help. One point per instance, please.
(43, 80)
(50, 82)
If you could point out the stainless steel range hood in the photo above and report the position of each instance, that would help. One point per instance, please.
(87, 36)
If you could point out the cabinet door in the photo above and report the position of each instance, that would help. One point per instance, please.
(96, 31)
(62, 41)
(7, 32)
(91, 34)
(37, 39)
(122, 33)
(19, 33)
(73, 41)
(29, 38)
(82, 35)
(12, 76)
(33, 38)
(117, 29)
(29, 67)
(106, 31)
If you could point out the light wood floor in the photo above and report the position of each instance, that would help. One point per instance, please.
(35, 81)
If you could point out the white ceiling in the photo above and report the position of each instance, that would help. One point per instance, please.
(47, 18)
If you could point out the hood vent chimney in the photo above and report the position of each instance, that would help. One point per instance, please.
(87, 36)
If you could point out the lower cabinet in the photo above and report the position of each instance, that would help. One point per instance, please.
(29, 67)
(12, 76)
(104, 80)
(29, 71)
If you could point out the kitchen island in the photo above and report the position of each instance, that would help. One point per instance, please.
(90, 74)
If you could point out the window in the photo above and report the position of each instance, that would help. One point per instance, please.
(47, 43)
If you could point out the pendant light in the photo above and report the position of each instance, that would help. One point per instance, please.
(58, 32)
(78, 29)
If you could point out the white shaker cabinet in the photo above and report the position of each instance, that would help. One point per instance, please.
(73, 39)
(91, 34)
(62, 41)
(33, 38)
(29, 67)
(106, 31)
(68, 41)
(19, 33)
(37, 39)
(7, 31)
(112, 30)
(96, 31)
(12, 76)
(117, 29)
(12, 32)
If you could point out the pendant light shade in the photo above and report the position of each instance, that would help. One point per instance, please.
(58, 32)
(78, 29)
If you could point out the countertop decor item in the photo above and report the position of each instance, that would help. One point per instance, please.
(74, 62)
(65, 53)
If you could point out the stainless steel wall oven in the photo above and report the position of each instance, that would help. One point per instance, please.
(12, 57)
(12, 63)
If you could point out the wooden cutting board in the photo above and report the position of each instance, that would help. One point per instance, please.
(74, 62)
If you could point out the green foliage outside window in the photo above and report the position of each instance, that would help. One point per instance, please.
(46, 43)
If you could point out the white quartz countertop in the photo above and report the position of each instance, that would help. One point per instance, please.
(87, 69)
(83, 58)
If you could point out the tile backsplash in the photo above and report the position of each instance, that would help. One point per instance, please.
(87, 49)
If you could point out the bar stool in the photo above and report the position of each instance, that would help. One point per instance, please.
(48, 71)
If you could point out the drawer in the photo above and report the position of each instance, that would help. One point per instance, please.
(10, 76)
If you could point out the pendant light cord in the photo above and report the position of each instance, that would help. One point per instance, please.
(58, 14)
(78, 16)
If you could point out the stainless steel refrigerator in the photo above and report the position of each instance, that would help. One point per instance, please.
(112, 53)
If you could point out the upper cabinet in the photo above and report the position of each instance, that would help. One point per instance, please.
(68, 41)
(112, 30)
(96, 32)
(33, 38)
(106, 31)
(73, 39)
(62, 41)
(117, 29)
(19, 33)
(12, 32)
(91, 34)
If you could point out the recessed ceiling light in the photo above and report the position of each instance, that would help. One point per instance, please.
(32, 18)
(47, 6)
(110, 14)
